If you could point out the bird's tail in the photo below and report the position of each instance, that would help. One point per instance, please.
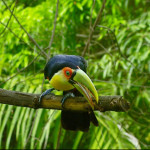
(74, 120)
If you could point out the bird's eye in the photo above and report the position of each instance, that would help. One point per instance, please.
(67, 73)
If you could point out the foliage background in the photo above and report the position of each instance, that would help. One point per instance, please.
(118, 65)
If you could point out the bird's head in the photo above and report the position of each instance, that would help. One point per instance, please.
(68, 78)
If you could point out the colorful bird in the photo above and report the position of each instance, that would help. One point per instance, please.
(68, 74)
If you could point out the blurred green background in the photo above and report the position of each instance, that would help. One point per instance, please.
(118, 64)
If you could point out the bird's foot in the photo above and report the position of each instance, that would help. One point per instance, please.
(45, 93)
(65, 97)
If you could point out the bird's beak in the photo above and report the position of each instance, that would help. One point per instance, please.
(84, 85)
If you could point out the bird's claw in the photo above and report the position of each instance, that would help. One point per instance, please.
(65, 97)
(45, 93)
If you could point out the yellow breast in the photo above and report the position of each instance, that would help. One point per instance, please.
(60, 82)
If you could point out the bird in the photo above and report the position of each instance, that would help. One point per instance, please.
(67, 73)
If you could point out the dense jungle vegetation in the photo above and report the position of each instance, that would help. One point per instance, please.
(118, 64)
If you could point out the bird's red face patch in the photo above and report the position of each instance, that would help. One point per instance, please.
(67, 72)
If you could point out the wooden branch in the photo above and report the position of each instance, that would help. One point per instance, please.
(106, 103)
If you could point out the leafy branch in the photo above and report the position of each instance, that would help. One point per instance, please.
(98, 19)
(30, 37)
